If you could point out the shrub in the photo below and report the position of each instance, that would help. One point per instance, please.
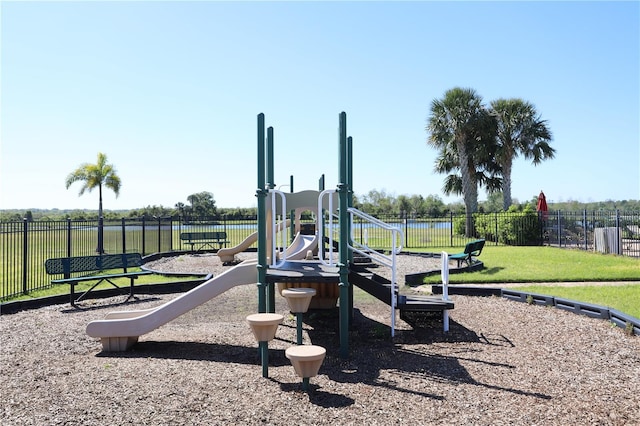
(518, 228)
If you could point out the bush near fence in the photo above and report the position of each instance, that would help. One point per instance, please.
(25, 245)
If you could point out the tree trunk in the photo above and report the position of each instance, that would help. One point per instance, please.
(506, 185)
(469, 189)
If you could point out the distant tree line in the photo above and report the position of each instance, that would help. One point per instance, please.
(375, 202)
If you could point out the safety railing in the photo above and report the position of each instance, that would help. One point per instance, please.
(278, 260)
(396, 240)
(389, 260)
(320, 228)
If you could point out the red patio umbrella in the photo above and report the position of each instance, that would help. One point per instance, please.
(542, 205)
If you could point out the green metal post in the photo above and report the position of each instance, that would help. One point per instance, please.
(299, 327)
(343, 203)
(292, 213)
(271, 294)
(270, 181)
(261, 194)
(264, 356)
(349, 181)
(350, 203)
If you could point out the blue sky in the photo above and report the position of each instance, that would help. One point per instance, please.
(170, 91)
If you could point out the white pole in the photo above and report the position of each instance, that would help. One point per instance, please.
(444, 273)
(393, 286)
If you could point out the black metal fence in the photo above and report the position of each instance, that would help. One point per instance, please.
(25, 246)
(607, 232)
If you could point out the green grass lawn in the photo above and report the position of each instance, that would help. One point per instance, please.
(504, 264)
(623, 298)
(530, 265)
(84, 286)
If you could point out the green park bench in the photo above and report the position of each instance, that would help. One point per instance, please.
(204, 239)
(99, 263)
(471, 249)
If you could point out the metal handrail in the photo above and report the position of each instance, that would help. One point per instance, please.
(381, 258)
(362, 249)
(320, 228)
(394, 229)
(274, 229)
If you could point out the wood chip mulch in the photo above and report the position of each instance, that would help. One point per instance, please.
(502, 363)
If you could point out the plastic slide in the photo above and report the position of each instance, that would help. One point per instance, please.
(119, 330)
(227, 254)
(300, 245)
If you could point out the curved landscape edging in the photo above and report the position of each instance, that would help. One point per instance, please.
(620, 319)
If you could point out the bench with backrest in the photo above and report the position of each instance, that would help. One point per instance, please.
(204, 239)
(99, 263)
(471, 249)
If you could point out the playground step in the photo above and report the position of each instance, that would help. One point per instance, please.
(380, 288)
(418, 303)
(377, 286)
(363, 261)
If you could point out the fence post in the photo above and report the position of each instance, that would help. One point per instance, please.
(159, 233)
(224, 224)
(584, 221)
(451, 219)
(68, 238)
(144, 251)
(559, 230)
(593, 222)
(496, 228)
(100, 248)
(406, 230)
(618, 237)
(25, 242)
(124, 236)
(171, 233)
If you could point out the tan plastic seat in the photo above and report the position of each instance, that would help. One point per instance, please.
(264, 326)
(298, 298)
(306, 359)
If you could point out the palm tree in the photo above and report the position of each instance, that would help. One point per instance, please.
(520, 131)
(464, 132)
(92, 176)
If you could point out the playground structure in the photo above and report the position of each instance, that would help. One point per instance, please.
(328, 269)
(307, 261)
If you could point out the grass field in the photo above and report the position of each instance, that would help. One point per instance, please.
(623, 298)
(530, 265)
(81, 287)
(506, 264)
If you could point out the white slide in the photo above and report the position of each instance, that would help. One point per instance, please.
(300, 245)
(118, 331)
(227, 254)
